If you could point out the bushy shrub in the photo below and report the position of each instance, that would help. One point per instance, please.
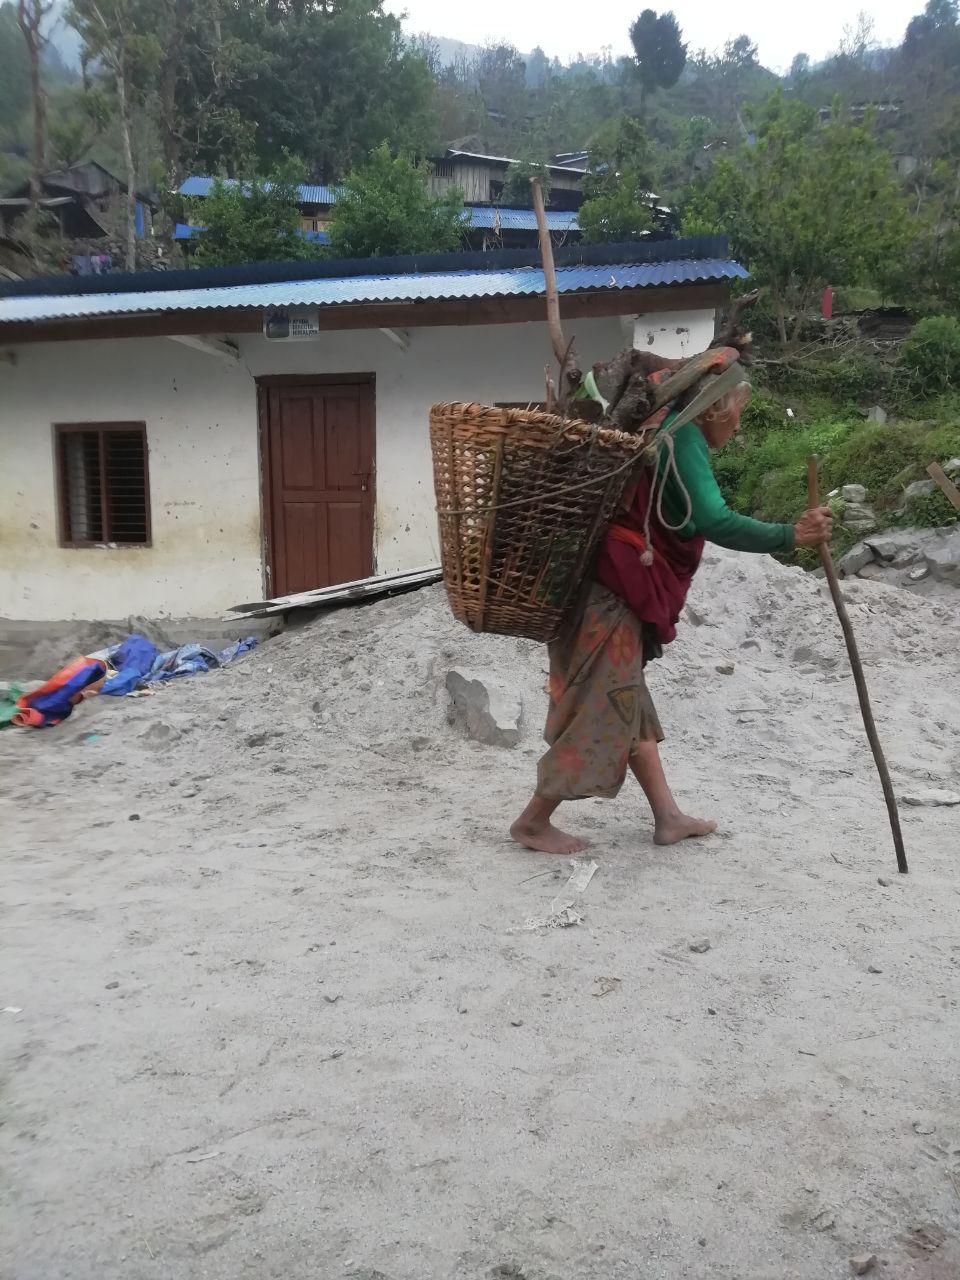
(931, 355)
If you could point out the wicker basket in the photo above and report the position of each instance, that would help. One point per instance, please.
(523, 499)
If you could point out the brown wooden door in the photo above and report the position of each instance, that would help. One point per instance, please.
(319, 482)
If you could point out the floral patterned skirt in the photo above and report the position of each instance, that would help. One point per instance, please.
(599, 704)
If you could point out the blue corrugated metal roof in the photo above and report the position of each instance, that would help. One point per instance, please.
(340, 291)
(522, 219)
(482, 219)
(310, 192)
(183, 231)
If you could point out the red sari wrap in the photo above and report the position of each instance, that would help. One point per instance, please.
(655, 592)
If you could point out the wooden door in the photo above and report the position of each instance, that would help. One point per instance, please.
(317, 445)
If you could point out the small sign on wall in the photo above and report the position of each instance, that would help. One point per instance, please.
(291, 324)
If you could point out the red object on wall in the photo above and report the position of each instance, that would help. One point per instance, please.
(826, 303)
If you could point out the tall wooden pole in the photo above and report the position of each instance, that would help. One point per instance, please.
(826, 559)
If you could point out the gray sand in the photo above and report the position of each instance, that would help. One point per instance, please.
(268, 1028)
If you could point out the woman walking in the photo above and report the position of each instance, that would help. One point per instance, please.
(601, 720)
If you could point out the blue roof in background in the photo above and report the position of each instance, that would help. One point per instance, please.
(522, 219)
(481, 219)
(355, 289)
(183, 231)
(510, 219)
(310, 192)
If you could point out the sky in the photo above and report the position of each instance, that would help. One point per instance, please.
(566, 28)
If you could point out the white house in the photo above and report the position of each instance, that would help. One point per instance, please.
(178, 443)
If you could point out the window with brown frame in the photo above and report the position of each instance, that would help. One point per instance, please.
(103, 484)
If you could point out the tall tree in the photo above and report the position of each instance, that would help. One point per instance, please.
(322, 79)
(117, 34)
(31, 17)
(384, 208)
(617, 205)
(805, 206)
(659, 52)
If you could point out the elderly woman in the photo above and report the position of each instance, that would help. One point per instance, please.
(601, 720)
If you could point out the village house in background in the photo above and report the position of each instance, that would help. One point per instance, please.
(481, 179)
(178, 443)
(87, 203)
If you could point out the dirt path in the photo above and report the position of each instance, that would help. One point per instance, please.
(286, 1022)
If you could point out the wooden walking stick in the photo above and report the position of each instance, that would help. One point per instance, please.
(826, 559)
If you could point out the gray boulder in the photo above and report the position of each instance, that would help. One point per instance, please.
(942, 558)
(484, 707)
(919, 489)
(877, 414)
(855, 559)
(952, 467)
(859, 517)
(855, 493)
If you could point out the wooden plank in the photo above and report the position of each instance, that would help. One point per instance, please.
(362, 589)
(937, 474)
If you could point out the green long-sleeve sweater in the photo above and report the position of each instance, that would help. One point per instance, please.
(711, 517)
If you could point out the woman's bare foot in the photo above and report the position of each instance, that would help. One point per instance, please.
(677, 826)
(545, 837)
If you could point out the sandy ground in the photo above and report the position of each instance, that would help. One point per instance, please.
(280, 1017)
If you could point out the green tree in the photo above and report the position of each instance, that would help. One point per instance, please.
(617, 206)
(804, 206)
(117, 34)
(384, 208)
(14, 69)
(516, 184)
(659, 52)
(326, 80)
(253, 221)
(32, 18)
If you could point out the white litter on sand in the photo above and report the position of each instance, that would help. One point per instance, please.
(312, 825)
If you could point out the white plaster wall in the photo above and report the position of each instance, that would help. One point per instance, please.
(201, 418)
(204, 482)
(674, 334)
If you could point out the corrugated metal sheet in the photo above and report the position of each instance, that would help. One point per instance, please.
(483, 219)
(522, 219)
(183, 231)
(438, 286)
(310, 192)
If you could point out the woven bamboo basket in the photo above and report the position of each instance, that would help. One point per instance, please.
(523, 500)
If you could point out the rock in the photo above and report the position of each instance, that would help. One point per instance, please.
(112, 986)
(872, 968)
(863, 1263)
(872, 572)
(884, 883)
(516, 1022)
(877, 414)
(885, 546)
(725, 668)
(855, 559)
(905, 558)
(857, 510)
(930, 799)
(853, 493)
(942, 558)
(952, 467)
(918, 489)
(488, 710)
(700, 947)
(134, 817)
(918, 574)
